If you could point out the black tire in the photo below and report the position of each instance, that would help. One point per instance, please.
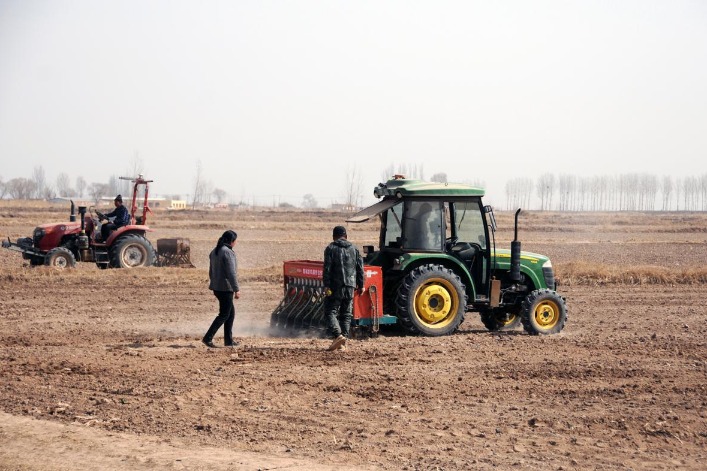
(132, 251)
(544, 312)
(60, 257)
(35, 261)
(497, 320)
(431, 300)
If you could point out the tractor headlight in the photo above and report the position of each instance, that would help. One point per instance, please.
(549, 275)
(37, 236)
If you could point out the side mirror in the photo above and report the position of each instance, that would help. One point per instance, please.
(492, 219)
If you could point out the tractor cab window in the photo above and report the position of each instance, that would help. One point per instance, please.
(469, 223)
(422, 225)
(393, 226)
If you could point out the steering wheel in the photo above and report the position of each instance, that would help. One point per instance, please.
(450, 241)
(100, 215)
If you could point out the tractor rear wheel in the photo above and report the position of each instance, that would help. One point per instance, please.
(544, 312)
(132, 251)
(498, 319)
(60, 257)
(431, 300)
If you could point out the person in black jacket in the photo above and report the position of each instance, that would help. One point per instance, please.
(343, 272)
(223, 276)
(121, 218)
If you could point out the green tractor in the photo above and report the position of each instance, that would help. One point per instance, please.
(439, 261)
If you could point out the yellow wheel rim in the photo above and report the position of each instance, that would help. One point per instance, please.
(506, 321)
(547, 314)
(436, 302)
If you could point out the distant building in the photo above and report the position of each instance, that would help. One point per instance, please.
(177, 205)
(343, 207)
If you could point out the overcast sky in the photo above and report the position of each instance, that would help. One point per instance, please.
(277, 99)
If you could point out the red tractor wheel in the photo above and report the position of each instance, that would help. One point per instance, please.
(60, 257)
(132, 251)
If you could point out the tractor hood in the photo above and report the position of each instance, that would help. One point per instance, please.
(64, 227)
(527, 259)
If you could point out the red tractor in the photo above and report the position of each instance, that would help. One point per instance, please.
(62, 244)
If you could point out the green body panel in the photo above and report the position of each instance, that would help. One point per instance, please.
(411, 260)
(531, 264)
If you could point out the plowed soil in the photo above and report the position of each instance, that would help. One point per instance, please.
(104, 369)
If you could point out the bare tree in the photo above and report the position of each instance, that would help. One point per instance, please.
(666, 191)
(39, 180)
(98, 190)
(354, 182)
(113, 185)
(220, 195)
(545, 188)
(63, 185)
(136, 166)
(80, 186)
(408, 170)
(690, 193)
(49, 192)
(440, 177)
(134, 170)
(309, 202)
(518, 192)
(567, 187)
(3, 189)
(198, 185)
(21, 188)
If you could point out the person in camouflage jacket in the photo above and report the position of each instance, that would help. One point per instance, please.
(343, 273)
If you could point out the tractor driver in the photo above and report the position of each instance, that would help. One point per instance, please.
(120, 215)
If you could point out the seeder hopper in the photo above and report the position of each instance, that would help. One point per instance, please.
(302, 307)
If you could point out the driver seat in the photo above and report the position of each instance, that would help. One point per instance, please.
(465, 252)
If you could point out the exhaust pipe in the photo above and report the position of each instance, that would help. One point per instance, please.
(83, 238)
(515, 252)
(82, 212)
(72, 216)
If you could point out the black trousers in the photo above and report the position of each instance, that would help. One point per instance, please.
(225, 318)
(106, 229)
(339, 311)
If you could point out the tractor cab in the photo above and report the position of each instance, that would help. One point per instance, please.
(423, 222)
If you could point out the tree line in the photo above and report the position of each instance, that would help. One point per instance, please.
(625, 192)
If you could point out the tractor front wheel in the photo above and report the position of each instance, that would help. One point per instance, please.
(498, 319)
(132, 251)
(60, 257)
(431, 300)
(544, 312)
